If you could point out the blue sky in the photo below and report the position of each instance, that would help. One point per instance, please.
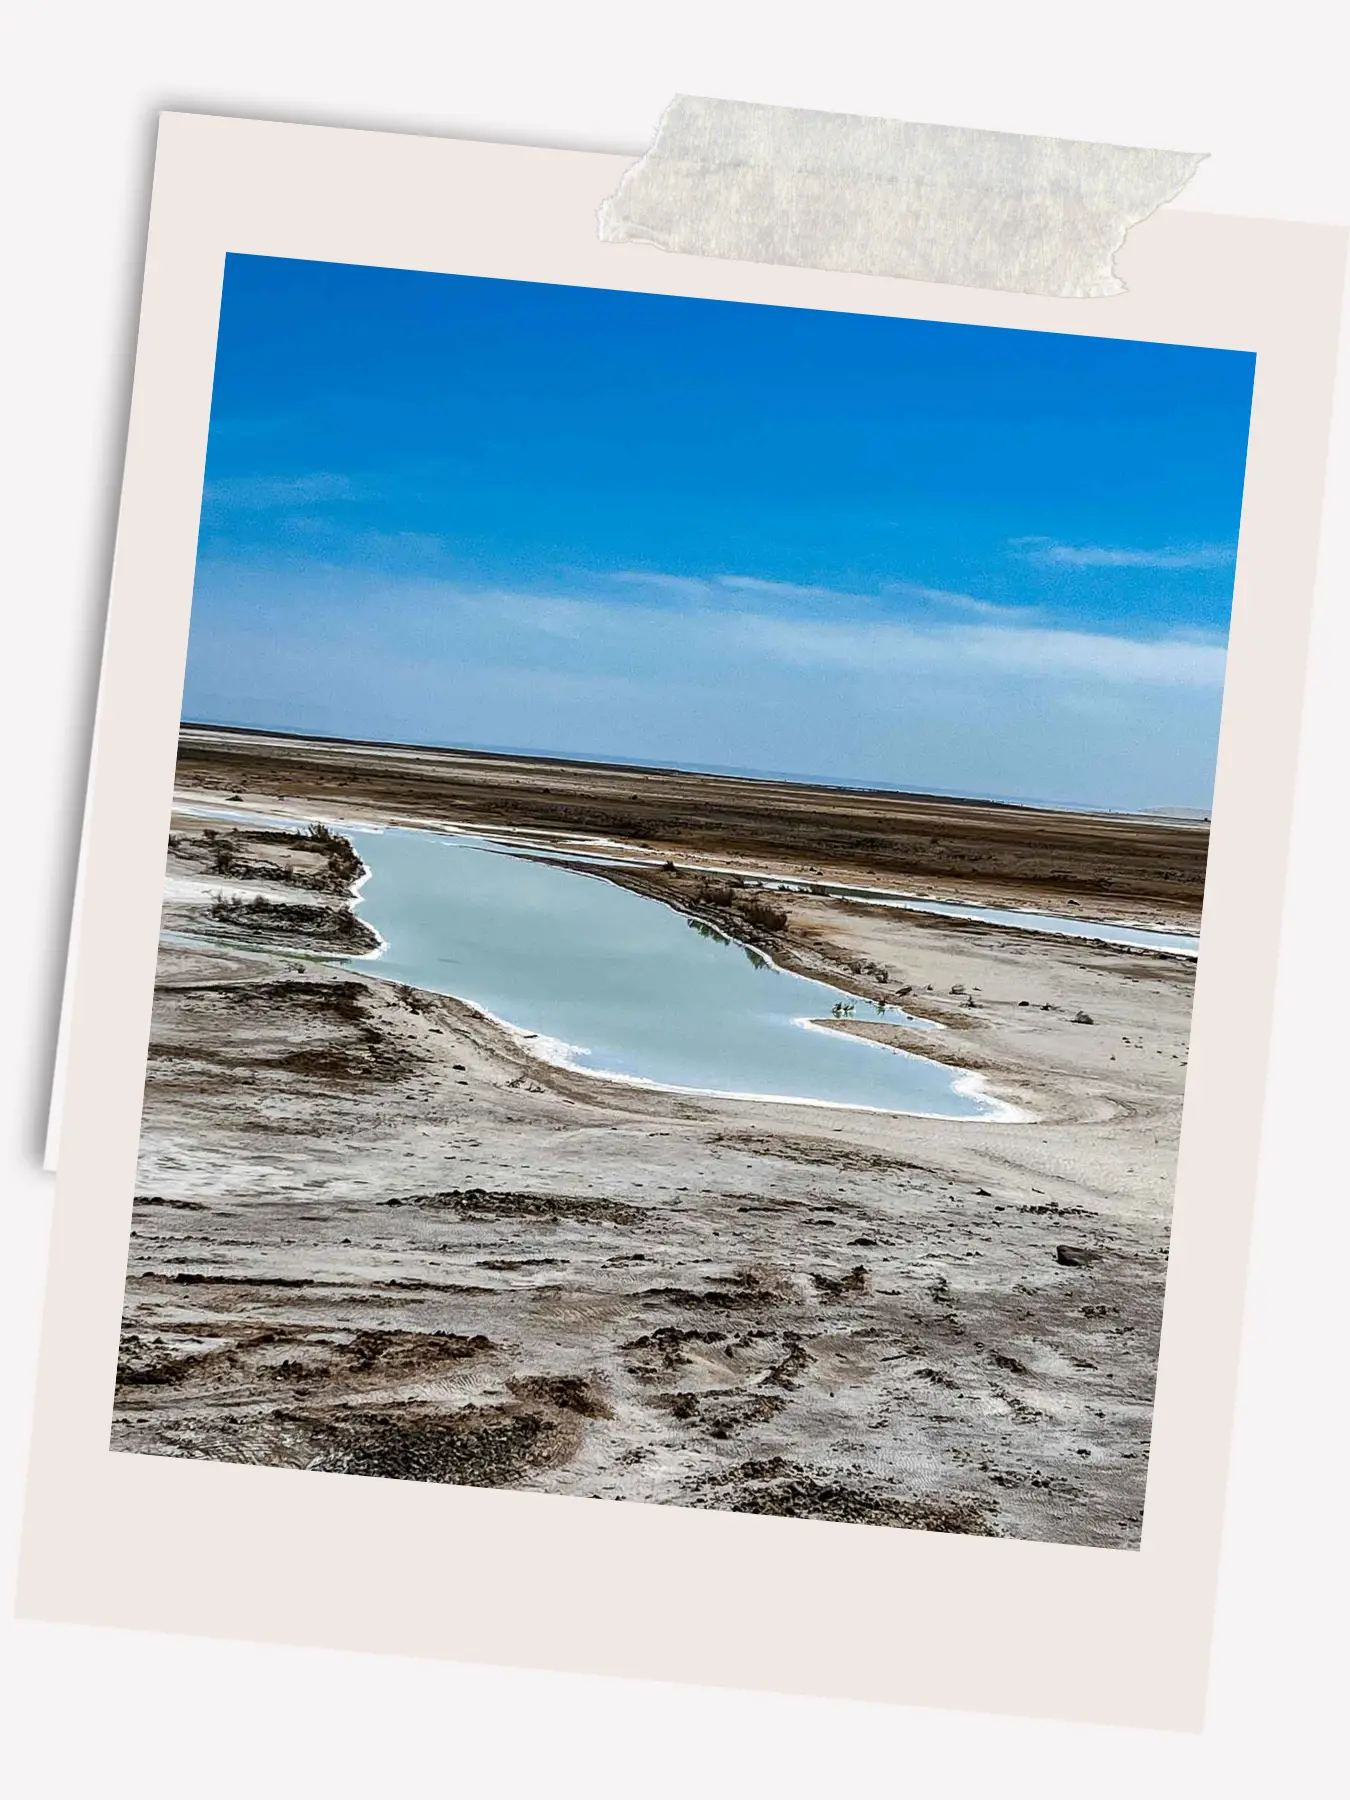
(508, 515)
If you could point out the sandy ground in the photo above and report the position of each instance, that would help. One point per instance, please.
(374, 1235)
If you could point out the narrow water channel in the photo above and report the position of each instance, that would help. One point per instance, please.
(1099, 931)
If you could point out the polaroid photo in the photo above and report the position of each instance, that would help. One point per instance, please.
(647, 1091)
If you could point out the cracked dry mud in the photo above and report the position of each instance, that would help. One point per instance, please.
(374, 1235)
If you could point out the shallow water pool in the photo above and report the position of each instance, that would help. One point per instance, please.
(617, 984)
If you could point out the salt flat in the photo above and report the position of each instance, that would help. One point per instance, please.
(376, 1234)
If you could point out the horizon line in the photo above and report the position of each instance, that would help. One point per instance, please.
(715, 772)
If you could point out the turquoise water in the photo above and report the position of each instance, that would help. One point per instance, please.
(617, 984)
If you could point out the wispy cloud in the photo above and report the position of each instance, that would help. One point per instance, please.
(751, 593)
(1111, 556)
(730, 592)
(689, 588)
(898, 651)
(780, 591)
(961, 603)
(931, 696)
(990, 641)
(726, 623)
(270, 493)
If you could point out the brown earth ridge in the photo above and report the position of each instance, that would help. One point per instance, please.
(376, 1234)
(1024, 854)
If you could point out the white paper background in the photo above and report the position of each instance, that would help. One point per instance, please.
(107, 1712)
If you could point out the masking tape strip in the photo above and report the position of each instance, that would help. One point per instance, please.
(818, 190)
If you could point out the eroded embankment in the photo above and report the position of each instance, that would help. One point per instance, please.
(241, 885)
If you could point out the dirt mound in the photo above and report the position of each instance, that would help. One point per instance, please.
(487, 1204)
(479, 1446)
(804, 1498)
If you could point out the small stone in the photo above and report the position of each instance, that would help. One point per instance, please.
(1075, 1256)
(1083, 1018)
(958, 987)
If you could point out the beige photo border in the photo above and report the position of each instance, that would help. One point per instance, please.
(592, 1585)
